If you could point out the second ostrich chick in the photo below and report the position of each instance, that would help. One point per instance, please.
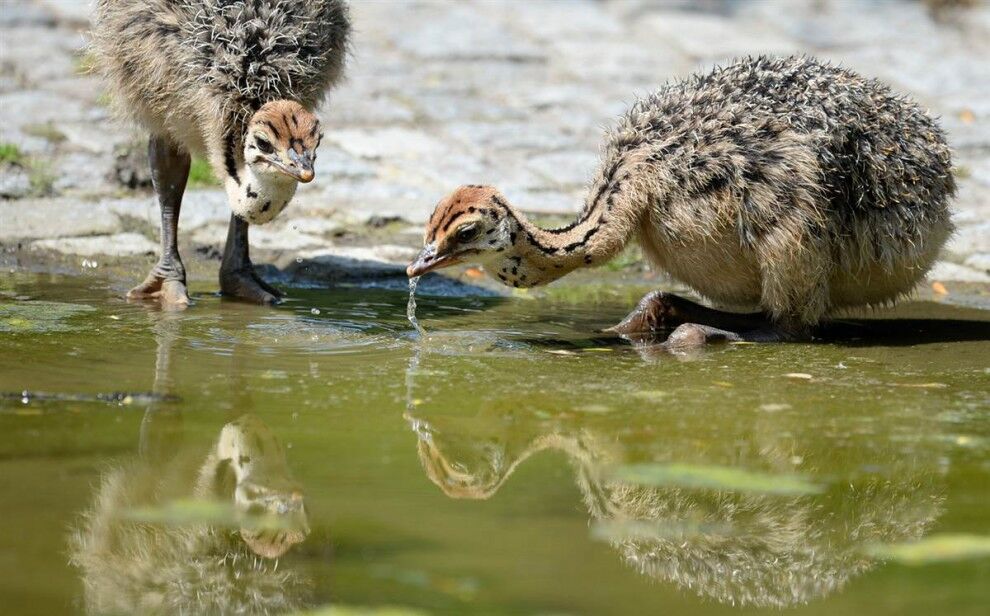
(785, 184)
(236, 80)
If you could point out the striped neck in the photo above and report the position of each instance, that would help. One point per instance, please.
(538, 256)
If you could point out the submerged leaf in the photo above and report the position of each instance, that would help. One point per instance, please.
(185, 512)
(936, 548)
(642, 530)
(190, 512)
(714, 477)
(344, 610)
(594, 409)
(651, 394)
(922, 385)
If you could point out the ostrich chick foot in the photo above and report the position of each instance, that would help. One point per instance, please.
(237, 276)
(163, 285)
(247, 285)
(692, 325)
(657, 311)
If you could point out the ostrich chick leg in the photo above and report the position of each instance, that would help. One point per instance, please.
(237, 275)
(694, 325)
(169, 172)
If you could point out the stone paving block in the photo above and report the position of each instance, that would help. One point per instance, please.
(352, 106)
(548, 201)
(714, 37)
(200, 207)
(834, 24)
(384, 143)
(24, 15)
(118, 245)
(58, 217)
(333, 162)
(455, 32)
(92, 137)
(314, 226)
(441, 171)
(40, 107)
(40, 54)
(970, 238)
(916, 72)
(444, 107)
(14, 182)
(944, 270)
(566, 169)
(72, 11)
(980, 261)
(27, 144)
(360, 200)
(510, 173)
(512, 135)
(267, 237)
(549, 21)
(609, 63)
(78, 171)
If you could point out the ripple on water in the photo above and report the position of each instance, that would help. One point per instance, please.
(291, 334)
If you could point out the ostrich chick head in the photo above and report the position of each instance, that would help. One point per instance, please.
(279, 152)
(282, 139)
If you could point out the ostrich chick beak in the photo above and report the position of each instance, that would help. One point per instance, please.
(301, 167)
(428, 260)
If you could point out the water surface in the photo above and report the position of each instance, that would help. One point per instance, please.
(511, 460)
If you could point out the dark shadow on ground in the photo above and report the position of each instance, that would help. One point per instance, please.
(903, 332)
(329, 270)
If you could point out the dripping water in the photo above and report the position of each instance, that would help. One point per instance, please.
(411, 306)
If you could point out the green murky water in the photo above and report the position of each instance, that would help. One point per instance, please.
(510, 462)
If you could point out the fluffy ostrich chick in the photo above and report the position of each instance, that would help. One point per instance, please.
(235, 80)
(784, 184)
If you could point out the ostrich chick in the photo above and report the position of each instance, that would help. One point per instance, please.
(236, 80)
(783, 184)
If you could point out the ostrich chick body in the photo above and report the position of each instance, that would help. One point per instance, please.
(235, 80)
(784, 184)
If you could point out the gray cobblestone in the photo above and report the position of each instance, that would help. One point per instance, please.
(118, 245)
(511, 93)
(47, 218)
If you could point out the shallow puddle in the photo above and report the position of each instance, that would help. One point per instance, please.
(509, 460)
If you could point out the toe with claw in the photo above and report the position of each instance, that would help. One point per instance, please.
(165, 285)
(655, 312)
(247, 285)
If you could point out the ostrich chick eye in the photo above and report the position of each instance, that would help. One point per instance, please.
(264, 145)
(467, 233)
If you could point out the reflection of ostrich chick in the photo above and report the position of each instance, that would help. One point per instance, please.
(749, 549)
(768, 550)
(138, 568)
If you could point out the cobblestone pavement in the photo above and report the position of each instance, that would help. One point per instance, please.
(441, 93)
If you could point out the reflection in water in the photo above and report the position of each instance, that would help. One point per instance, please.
(736, 547)
(191, 565)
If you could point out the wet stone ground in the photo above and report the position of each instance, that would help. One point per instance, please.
(443, 93)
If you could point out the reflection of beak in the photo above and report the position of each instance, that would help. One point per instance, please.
(283, 524)
(301, 169)
(427, 261)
